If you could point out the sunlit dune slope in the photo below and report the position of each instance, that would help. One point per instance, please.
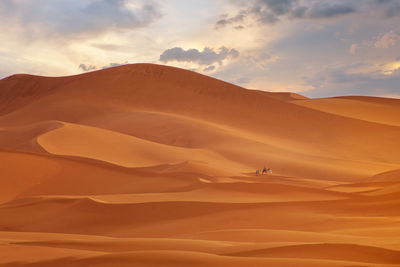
(176, 107)
(26, 174)
(120, 149)
(232, 155)
(373, 109)
(146, 87)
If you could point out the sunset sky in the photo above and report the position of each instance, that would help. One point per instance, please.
(315, 48)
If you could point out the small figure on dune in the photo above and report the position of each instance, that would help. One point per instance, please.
(264, 170)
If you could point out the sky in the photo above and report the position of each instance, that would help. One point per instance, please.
(318, 48)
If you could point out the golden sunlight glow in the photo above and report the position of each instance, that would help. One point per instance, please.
(390, 68)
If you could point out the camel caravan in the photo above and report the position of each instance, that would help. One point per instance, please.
(264, 171)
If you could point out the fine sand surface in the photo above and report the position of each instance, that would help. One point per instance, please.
(148, 165)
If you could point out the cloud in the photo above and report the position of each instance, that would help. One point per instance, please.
(251, 65)
(242, 80)
(90, 67)
(87, 68)
(206, 57)
(392, 7)
(270, 11)
(387, 40)
(209, 68)
(225, 21)
(266, 11)
(327, 10)
(344, 81)
(62, 18)
(278, 7)
(111, 65)
(353, 48)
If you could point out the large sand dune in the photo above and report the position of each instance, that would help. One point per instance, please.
(148, 165)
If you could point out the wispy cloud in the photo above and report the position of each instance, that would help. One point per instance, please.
(64, 18)
(86, 68)
(388, 39)
(89, 67)
(346, 80)
(270, 11)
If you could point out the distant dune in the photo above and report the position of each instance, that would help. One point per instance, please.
(155, 166)
(377, 110)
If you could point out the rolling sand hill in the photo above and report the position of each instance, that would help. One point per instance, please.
(155, 166)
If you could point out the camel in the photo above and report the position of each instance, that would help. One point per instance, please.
(265, 170)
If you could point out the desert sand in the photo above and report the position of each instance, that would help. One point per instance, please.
(149, 165)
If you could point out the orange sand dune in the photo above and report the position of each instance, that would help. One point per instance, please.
(25, 137)
(179, 219)
(94, 143)
(329, 251)
(174, 258)
(379, 110)
(393, 175)
(285, 96)
(25, 174)
(149, 165)
(168, 105)
(224, 158)
(168, 218)
(189, 104)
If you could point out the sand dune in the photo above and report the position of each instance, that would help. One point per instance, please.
(173, 258)
(181, 108)
(135, 88)
(151, 165)
(124, 150)
(26, 174)
(378, 110)
(25, 137)
(393, 175)
(329, 251)
(286, 96)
